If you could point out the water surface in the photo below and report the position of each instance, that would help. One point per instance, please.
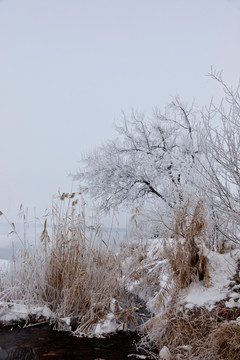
(41, 342)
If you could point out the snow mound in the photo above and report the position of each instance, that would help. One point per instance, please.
(11, 312)
(106, 326)
(222, 268)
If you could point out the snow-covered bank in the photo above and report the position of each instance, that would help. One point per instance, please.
(13, 313)
(222, 268)
(155, 266)
(148, 279)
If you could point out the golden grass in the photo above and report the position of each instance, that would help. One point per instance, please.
(185, 332)
(75, 272)
(187, 260)
(193, 334)
(81, 271)
(225, 341)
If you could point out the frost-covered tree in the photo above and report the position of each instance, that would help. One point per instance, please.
(150, 158)
(222, 160)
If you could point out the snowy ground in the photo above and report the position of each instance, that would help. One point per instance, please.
(222, 269)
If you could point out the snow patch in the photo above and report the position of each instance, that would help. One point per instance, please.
(107, 325)
(11, 312)
(222, 267)
(66, 320)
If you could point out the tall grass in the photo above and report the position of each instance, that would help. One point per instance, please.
(181, 261)
(73, 271)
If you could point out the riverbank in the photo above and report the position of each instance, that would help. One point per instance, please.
(193, 319)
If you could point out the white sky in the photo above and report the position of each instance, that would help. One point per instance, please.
(68, 68)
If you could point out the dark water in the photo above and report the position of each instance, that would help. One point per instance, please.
(41, 342)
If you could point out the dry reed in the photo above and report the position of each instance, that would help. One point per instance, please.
(187, 260)
(225, 342)
(75, 273)
(193, 334)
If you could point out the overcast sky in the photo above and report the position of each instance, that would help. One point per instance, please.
(68, 68)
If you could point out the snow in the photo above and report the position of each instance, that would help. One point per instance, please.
(66, 320)
(165, 353)
(11, 312)
(107, 325)
(198, 295)
(222, 268)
